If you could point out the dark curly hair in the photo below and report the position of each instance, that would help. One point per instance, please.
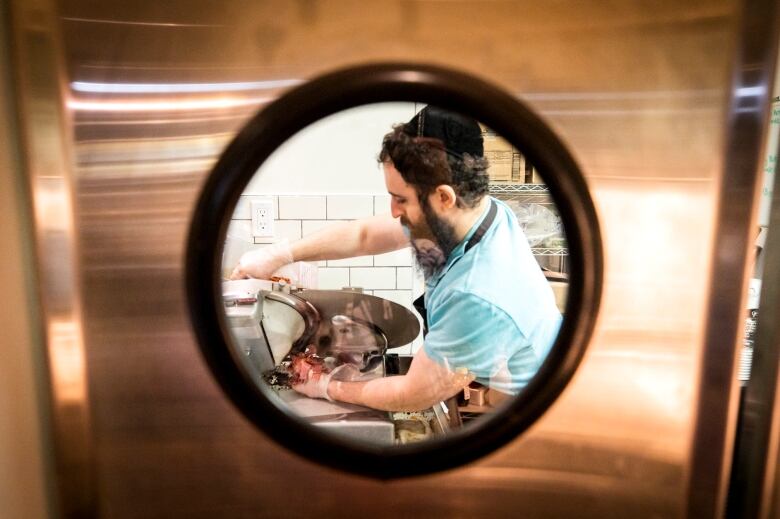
(425, 163)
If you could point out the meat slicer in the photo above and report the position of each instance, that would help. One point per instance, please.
(269, 322)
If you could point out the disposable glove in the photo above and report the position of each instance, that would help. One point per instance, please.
(315, 384)
(262, 263)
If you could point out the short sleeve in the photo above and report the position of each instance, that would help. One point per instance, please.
(467, 331)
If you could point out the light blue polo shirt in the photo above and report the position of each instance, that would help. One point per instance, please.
(491, 310)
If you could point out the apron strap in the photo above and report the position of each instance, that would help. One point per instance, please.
(483, 227)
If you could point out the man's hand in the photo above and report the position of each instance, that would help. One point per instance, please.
(315, 381)
(262, 263)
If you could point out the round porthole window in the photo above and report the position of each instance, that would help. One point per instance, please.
(394, 269)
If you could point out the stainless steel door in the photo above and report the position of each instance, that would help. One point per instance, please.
(647, 96)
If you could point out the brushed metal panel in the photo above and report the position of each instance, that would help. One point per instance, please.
(637, 91)
(26, 484)
(718, 392)
(46, 143)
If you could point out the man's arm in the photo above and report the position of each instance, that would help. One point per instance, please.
(364, 237)
(368, 236)
(426, 384)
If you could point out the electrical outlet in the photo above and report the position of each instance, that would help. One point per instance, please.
(262, 218)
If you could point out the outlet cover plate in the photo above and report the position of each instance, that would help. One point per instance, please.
(262, 218)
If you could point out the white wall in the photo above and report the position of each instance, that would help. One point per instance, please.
(334, 155)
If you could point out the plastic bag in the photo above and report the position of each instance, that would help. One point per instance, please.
(538, 223)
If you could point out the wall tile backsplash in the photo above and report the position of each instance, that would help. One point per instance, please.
(350, 207)
(390, 276)
(333, 278)
(373, 278)
(302, 208)
(360, 261)
(381, 204)
(403, 278)
(399, 258)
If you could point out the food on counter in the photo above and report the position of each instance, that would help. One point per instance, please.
(301, 364)
(411, 427)
(295, 368)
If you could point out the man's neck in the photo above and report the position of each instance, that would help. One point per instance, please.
(469, 217)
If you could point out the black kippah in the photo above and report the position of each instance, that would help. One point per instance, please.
(458, 133)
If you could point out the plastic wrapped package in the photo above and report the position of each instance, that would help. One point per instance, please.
(539, 224)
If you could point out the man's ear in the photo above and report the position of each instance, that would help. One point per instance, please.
(445, 196)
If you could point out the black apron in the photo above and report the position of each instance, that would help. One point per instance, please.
(419, 303)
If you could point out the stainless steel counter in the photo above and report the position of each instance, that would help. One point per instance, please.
(351, 421)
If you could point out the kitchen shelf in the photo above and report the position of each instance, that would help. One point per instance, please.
(522, 193)
(519, 189)
(530, 194)
(550, 251)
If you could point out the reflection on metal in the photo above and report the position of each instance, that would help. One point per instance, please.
(211, 103)
(46, 140)
(311, 317)
(390, 324)
(68, 367)
(715, 419)
(636, 91)
(178, 88)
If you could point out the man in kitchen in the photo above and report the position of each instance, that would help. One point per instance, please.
(489, 311)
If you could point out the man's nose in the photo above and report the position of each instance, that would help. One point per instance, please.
(395, 210)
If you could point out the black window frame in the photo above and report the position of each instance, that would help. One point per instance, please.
(357, 86)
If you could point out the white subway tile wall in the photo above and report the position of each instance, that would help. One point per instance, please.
(399, 258)
(333, 278)
(404, 278)
(390, 276)
(373, 278)
(350, 207)
(302, 208)
(381, 204)
(360, 261)
(418, 285)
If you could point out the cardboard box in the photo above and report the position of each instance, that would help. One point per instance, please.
(500, 165)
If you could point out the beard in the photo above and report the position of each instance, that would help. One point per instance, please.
(433, 241)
